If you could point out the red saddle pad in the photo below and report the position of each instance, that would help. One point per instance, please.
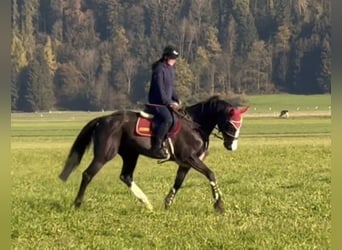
(144, 127)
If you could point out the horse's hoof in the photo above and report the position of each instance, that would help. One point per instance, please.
(149, 206)
(168, 201)
(77, 204)
(167, 205)
(169, 198)
(219, 206)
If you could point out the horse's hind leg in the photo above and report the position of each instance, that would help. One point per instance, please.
(87, 176)
(128, 167)
(181, 173)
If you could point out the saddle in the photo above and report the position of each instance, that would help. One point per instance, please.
(144, 125)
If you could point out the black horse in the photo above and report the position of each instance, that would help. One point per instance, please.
(117, 134)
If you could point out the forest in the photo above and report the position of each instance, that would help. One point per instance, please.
(97, 54)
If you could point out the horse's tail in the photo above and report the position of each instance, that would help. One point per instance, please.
(81, 144)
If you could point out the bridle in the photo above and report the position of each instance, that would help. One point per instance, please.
(230, 135)
(236, 125)
(183, 114)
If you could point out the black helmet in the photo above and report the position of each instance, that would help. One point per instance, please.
(170, 52)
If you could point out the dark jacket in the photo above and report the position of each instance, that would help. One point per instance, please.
(162, 89)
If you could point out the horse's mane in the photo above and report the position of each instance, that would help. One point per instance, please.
(212, 102)
(213, 98)
(215, 101)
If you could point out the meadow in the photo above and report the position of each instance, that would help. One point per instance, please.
(276, 188)
(295, 104)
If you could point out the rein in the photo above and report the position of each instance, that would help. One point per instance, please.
(220, 137)
(217, 135)
(183, 114)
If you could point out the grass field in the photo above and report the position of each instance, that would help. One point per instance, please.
(276, 188)
(295, 104)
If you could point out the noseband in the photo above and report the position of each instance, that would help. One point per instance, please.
(234, 118)
(230, 135)
(224, 132)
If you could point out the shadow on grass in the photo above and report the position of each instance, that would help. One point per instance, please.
(48, 204)
(291, 186)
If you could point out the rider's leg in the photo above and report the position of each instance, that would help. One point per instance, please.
(164, 122)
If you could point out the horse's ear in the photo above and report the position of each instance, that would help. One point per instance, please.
(244, 109)
(232, 111)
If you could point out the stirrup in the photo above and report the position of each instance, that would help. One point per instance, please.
(161, 155)
(168, 156)
(167, 151)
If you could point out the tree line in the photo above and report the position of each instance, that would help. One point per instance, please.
(97, 54)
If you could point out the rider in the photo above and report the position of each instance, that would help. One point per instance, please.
(162, 98)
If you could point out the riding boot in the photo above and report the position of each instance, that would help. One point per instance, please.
(157, 148)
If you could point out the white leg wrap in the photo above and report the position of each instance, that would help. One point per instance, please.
(217, 192)
(202, 156)
(140, 195)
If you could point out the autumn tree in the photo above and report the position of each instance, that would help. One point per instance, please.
(226, 47)
(185, 80)
(200, 67)
(50, 55)
(38, 88)
(324, 72)
(256, 76)
(282, 46)
(246, 30)
(68, 84)
(18, 62)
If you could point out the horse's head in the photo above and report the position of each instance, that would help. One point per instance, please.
(230, 125)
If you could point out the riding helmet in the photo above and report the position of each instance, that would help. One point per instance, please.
(170, 52)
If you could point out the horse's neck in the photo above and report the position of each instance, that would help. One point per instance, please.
(207, 121)
(207, 125)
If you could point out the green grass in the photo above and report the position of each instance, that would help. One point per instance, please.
(276, 188)
(292, 103)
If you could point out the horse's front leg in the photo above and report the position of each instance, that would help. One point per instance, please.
(218, 205)
(181, 173)
(217, 195)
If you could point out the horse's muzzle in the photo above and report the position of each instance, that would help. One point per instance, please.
(227, 145)
(230, 146)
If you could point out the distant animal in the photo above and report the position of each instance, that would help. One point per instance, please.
(117, 133)
(284, 114)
